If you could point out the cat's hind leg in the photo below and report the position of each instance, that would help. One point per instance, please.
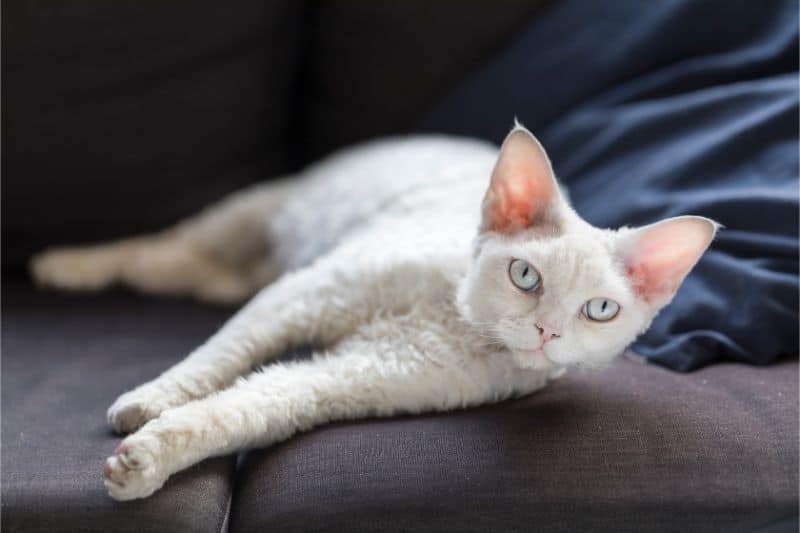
(163, 264)
(220, 255)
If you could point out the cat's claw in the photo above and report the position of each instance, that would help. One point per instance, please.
(133, 471)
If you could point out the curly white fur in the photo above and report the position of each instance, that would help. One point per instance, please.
(378, 264)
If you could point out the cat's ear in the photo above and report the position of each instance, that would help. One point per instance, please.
(659, 256)
(523, 192)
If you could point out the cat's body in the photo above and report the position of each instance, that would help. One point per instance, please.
(351, 193)
(375, 261)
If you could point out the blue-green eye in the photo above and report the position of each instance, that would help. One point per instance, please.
(523, 275)
(600, 309)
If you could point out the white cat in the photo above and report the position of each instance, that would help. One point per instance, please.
(410, 309)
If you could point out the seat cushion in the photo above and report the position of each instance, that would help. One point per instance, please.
(65, 359)
(630, 448)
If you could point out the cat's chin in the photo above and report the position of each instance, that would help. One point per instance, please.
(531, 359)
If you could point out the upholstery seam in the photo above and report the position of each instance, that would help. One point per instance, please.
(225, 525)
(223, 528)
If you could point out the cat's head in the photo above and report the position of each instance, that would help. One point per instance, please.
(549, 286)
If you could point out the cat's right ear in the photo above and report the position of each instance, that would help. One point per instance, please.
(523, 192)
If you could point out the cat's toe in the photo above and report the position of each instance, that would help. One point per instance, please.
(137, 407)
(126, 418)
(129, 413)
(132, 472)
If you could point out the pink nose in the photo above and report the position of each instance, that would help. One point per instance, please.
(547, 332)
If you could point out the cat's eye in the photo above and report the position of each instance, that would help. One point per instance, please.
(600, 309)
(523, 275)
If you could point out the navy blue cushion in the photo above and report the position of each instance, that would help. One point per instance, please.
(669, 108)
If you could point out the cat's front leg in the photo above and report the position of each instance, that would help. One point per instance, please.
(320, 304)
(273, 405)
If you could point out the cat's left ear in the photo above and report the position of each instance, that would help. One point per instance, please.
(523, 192)
(658, 257)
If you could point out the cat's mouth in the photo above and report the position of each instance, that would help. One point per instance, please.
(534, 359)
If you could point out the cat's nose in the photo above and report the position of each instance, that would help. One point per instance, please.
(546, 332)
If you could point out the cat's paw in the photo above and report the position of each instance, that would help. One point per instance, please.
(137, 407)
(74, 269)
(134, 471)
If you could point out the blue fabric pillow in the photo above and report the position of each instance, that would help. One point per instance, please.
(656, 109)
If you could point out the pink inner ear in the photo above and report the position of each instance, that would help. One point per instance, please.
(522, 188)
(664, 253)
(515, 204)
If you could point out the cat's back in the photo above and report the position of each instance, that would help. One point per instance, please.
(432, 183)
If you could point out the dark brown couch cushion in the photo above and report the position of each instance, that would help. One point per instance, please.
(65, 359)
(632, 448)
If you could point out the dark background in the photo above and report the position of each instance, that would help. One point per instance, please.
(122, 119)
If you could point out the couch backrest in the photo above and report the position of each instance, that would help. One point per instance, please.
(122, 118)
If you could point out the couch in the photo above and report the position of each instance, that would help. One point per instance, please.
(120, 119)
